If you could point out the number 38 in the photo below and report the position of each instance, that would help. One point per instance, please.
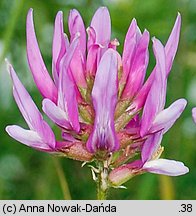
(186, 207)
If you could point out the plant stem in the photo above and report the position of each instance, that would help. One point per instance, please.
(13, 21)
(101, 194)
(102, 183)
(62, 179)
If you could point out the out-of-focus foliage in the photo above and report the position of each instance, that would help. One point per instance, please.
(28, 174)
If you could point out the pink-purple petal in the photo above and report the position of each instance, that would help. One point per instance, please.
(104, 96)
(93, 58)
(76, 25)
(40, 74)
(194, 114)
(170, 52)
(27, 137)
(77, 65)
(24, 101)
(101, 23)
(166, 118)
(129, 49)
(56, 114)
(77, 68)
(30, 111)
(172, 44)
(59, 46)
(68, 137)
(67, 100)
(166, 167)
(138, 66)
(91, 37)
(156, 97)
(151, 145)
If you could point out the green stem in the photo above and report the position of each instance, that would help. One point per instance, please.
(62, 179)
(15, 14)
(102, 183)
(101, 194)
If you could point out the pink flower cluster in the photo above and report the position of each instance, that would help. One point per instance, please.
(100, 99)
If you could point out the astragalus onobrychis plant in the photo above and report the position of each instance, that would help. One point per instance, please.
(110, 117)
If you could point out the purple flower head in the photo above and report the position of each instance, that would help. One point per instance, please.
(100, 101)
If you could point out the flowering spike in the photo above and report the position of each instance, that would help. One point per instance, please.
(99, 101)
(36, 63)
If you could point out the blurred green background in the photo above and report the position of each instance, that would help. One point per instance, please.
(28, 174)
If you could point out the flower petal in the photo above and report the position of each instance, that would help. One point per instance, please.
(194, 114)
(77, 65)
(56, 114)
(129, 50)
(122, 174)
(101, 23)
(24, 101)
(156, 97)
(104, 96)
(76, 25)
(29, 110)
(151, 145)
(93, 59)
(138, 66)
(166, 118)
(172, 44)
(27, 137)
(77, 68)
(68, 137)
(91, 37)
(170, 52)
(67, 100)
(59, 46)
(166, 167)
(40, 74)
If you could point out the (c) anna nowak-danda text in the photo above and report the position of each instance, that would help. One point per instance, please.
(67, 208)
